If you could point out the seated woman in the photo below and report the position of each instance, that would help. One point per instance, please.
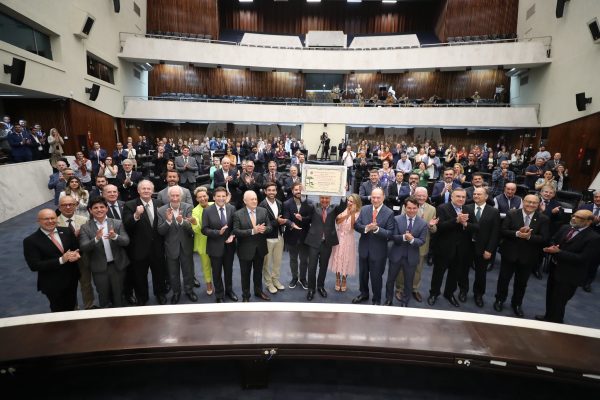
(386, 154)
(546, 180)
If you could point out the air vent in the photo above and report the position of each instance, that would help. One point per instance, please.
(530, 12)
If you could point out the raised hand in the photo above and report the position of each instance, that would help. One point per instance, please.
(111, 234)
(222, 230)
(99, 233)
(169, 214)
(139, 210)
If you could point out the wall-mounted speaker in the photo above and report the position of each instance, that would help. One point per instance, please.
(560, 8)
(93, 91)
(16, 71)
(581, 101)
(594, 30)
(117, 5)
(86, 27)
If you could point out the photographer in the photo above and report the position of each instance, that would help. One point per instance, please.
(325, 141)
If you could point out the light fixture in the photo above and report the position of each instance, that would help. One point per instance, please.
(354, 1)
(246, 1)
(313, 1)
(389, 1)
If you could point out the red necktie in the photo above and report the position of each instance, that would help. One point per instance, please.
(374, 215)
(56, 242)
(324, 215)
(570, 234)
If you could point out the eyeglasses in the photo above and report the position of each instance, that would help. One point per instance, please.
(68, 204)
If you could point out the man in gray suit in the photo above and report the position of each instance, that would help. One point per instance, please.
(105, 239)
(187, 166)
(174, 224)
(410, 233)
(251, 227)
(173, 180)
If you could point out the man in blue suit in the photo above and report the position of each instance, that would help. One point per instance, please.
(21, 144)
(375, 225)
(410, 233)
(441, 192)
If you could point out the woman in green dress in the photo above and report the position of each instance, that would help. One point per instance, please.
(201, 195)
(421, 170)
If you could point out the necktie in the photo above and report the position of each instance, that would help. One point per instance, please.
(447, 195)
(421, 211)
(223, 220)
(185, 160)
(509, 201)
(253, 218)
(374, 215)
(70, 225)
(56, 242)
(115, 213)
(570, 234)
(410, 224)
(478, 213)
(323, 214)
(527, 220)
(597, 211)
(150, 212)
(272, 177)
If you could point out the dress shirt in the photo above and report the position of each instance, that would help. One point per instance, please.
(105, 241)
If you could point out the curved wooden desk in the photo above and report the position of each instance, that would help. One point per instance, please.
(263, 331)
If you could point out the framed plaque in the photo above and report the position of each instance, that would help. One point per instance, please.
(324, 180)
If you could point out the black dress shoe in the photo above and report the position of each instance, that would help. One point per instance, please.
(376, 303)
(417, 297)
(537, 274)
(498, 306)
(167, 287)
(359, 299)
(232, 296)
(587, 288)
(452, 300)
(541, 317)
(462, 296)
(175, 298)
(431, 300)
(245, 299)
(192, 296)
(220, 300)
(388, 303)
(293, 283)
(518, 310)
(196, 282)
(131, 299)
(322, 291)
(161, 299)
(310, 295)
(479, 301)
(262, 295)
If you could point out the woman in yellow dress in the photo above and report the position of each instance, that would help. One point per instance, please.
(201, 194)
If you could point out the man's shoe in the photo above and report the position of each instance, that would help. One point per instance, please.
(462, 296)
(262, 295)
(271, 289)
(417, 296)
(399, 295)
(431, 300)
(293, 283)
(498, 306)
(161, 299)
(359, 299)
(196, 282)
(167, 287)
(220, 300)
(192, 296)
(479, 301)
(245, 299)
(278, 285)
(587, 287)
(322, 291)
(175, 298)
(131, 299)
(376, 303)
(452, 300)
(388, 303)
(541, 317)
(537, 274)
(310, 295)
(304, 284)
(232, 296)
(518, 310)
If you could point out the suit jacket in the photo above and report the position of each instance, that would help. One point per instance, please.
(591, 208)
(249, 245)
(119, 156)
(575, 255)
(144, 237)
(374, 244)
(163, 196)
(287, 185)
(396, 195)
(186, 175)
(42, 257)
(488, 235)
(402, 248)
(556, 220)
(219, 178)
(436, 193)
(179, 239)
(95, 159)
(128, 193)
(95, 250)
(429, 213)
(211, 225)
(501, 203)
(276, 229)
(18, 146)
(320, 230)
(365, 191)
(469, 191)
(294, 236)
(120, 204)
(524, 251)
(452, 238)
(256, 184)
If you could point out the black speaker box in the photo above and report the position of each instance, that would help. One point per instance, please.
(16, 71)
(117, 5)
(594, 29)
(581, 101)
(93, 91)
(87, 27)
(560, 8)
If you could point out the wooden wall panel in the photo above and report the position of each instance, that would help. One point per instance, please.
(186, 16)
(83, 118)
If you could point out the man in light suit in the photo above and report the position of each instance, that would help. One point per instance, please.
(272, 261)
(217, 226)
(321, 237)
(484, 245)
(375, 224)
(251, 227)
(410, 233)
(146, 248)
(187, 167)
(298, 213)
(53, 253)
(105, 239)
(173, 180)
(174, 224)
(367, 187)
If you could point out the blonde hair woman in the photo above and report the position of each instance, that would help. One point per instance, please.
(201, 194)
(74, 189)
(55, 141)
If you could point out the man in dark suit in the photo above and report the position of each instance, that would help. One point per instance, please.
(595, 209)
(321, 237)
(476, 182)
(367, 187)
(250, 180)
(21, 143)
(551, 208)
(375, 224)
(187, 167)
(53, 253)
(251, 227)
(226, 177)
(484, 245)
(127, 181)
(289, 181)
(272, 176)
(97, 155)
(455, 231)
(573, 249)
(410, 233)
(524, 232)
(146, 248)
(397, 192)
(115, 206)
(441, 192)
(217, 225)
(105, 239)
(119, 155)
(101, 181)
(298, 214)
(175, 225)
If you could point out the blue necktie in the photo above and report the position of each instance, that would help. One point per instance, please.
(410, 224)
(223, 220)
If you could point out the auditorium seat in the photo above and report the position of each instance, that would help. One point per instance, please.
(572, 199)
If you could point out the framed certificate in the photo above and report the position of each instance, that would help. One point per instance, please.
(324, 180)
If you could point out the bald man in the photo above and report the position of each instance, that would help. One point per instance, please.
(573, 248)
(53, 253)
